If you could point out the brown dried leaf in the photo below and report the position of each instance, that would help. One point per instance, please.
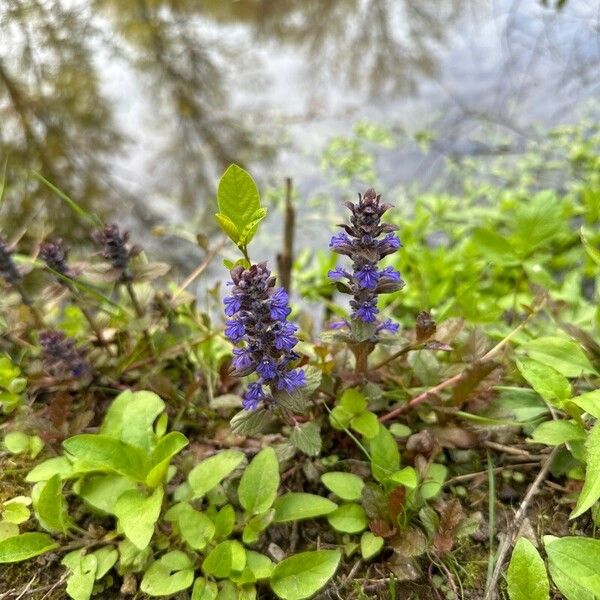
(451, 516)
(396, 502)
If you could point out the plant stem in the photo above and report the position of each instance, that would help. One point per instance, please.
(286, 258)
(96, 329)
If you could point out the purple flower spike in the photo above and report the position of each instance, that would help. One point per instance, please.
(261, 311)
(366, 240)
(388, 325)
(8, 270)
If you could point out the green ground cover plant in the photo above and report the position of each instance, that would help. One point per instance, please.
(423, 423)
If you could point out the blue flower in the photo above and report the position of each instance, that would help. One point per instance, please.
(243, 358)
(340, 241)
(366, 312)
(232, 305)
(338, 273)
(267, 368)
(367, 276)
(284, 336)
(291, 380)
(338, 324)
(279, 305)
(235, 330)
(390, 273)
(253, 396)
(388, 325)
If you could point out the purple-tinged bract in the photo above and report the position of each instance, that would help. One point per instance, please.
(258, 314)
(55, 255)
(366, 240)
(115, 249)
(61, 356)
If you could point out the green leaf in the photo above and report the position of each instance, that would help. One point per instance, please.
(251, 422)
(59, 465)
(551, 385)
(574, 565)
(340, 418)
(307, 438)
(353, 401)
(210, 472)
(204, 589)
(399, 430)
(50, 506)
(15, 511)
(8, 530)
(16, 442)
(385, 457)
(138, 514)
(589, 402)
(171, 573)
(304, 574)
(193, 526)
(167, 447)
(526, 576)
(106, 558)
(260, 481)
(367, 424)
(239, 205)
(103, 453)
(25, 546)
(562, 354)
(80, 582)
(348, 518)
(131, 417)
(228, 227)
(370, 545)
(295, 506)
(224, 522)
(227, 558)
(406, 477)
(433, 481)
(255, 526)
(555, 433)
(591, 486)
(101, 492)
(346, 486)
(494, 246)
(594, 253)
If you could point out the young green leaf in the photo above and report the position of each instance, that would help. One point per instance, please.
(80, 582)
(348, 518)
(204, 589)
(166, 448)
(101, 492)
(25, 546)
(50, 467)
(302, 575)
(50, 506)
(367, 424)
(259, 483)
(574, 565)
(103, 453)
(295, 506)
(224, 560)
(106, 558)
(138, 514)
(591, 487)
(589, 402)
(211, 471)
(551, 385)
(370, 545)
(239, 205)
(555, 433)
(385, 457)
(193, 526)
(346, 486)
(171, 573)
(307, 438)
(526, 576)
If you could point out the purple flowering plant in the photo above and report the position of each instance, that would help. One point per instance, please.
(257, 310)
